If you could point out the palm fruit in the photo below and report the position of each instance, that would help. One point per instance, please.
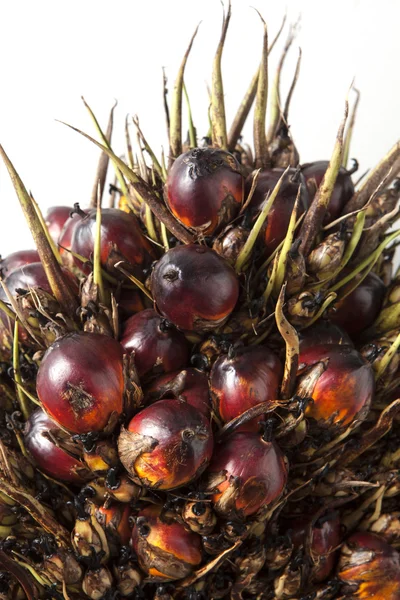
(200, 383)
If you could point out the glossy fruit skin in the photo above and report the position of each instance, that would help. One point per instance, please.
(323, 332)
(115, 520)
(358, 310)
(166, 445)
(49, 457)
(55, 219)
(345, 389)
(18, 259)
(190, 385)
(165, 549)
(80, 382)
(250, 376)
(324, 542)
(342, 191)
(275, 227)
(204, 190)
(194, 287)
(157, 346)
(121, 239)
(370, 568)
(65, 238)
(254, 467)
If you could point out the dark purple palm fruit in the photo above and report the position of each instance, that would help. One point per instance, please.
(194, 287)
(65, 238)
(56, 217)
(157, 345)
(18, 259)
(342, 192)
(359, 309)
(204, 189)
(323, 332)
(121, 240)
(242, 379)
(189, 385)
(275, 227)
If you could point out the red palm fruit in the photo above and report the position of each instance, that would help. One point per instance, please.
(190, 385)
(323, 332)
(165, 549)
(80, 382)
(275, 227)
(345, 389)
(115, 521)
(194, 287)
(204, 189)
(243, 378)
(53, 451)
(369, 568)
(56, 218)
(66, 234)
(322, 544)
(18, 259)
(158, 347)
(121, 239)
(342, 192)
(166, 445)
(359, 309)
(131, 302)
(246, 473)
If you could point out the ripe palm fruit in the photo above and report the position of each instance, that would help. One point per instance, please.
(246, 474)
(165, 549)
(55, 219)
(345, 389)
(369, 568)
(357, 311)
(121, 239)
(276, 224)
(343, 190)
(242, 379)
(194, 287)
(18, 259)
(54, 451)
(157, 346)
(189, 385)
(80, 382)
(204, 189)
(166, 445)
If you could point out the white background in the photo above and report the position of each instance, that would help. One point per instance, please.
(52, 52)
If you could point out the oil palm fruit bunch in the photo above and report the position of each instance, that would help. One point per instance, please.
(199, 384)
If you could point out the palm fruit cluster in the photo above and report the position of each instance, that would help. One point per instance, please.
(200, 383)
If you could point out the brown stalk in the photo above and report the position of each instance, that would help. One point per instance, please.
(10, 566)
(54, 274)
(312, 223)
(101, 173)
(291, 338)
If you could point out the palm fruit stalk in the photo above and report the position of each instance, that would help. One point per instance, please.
(199, 376)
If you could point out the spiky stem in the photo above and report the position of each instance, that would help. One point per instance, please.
(39, 213)
(245, 252)
(218, 120)
(275, 104)
(175, 129)
(54, 274)
(165, 101)
(128, 142)
(242, 113)
(292, 88)
(260, 141)
(106, 143)
(315, 215)
(192, 128)
(349, 131)
(101, 173)
(385, 362)
(287, 244)
(388, 167)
